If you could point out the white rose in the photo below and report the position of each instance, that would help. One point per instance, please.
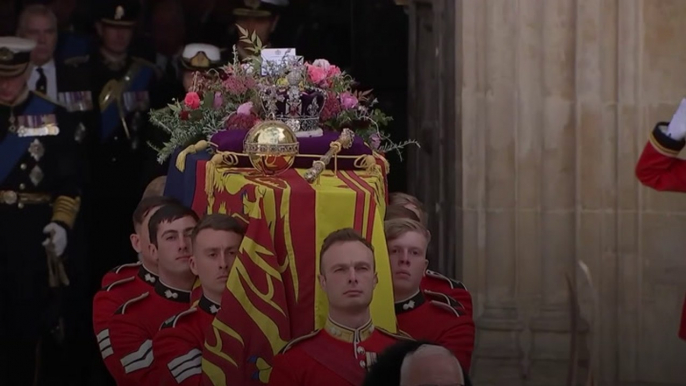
(248, 68)
(322, 63)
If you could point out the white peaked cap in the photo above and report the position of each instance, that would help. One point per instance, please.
(191, 50)
(280, 3)
(17, 45)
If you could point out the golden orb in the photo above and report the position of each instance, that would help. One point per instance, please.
(271, 146)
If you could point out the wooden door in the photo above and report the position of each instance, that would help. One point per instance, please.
(435, 168)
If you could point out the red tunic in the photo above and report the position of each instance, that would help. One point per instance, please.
(333, 356)
(135, 324)
(660, 169)
(120, 272)
(435, 282)
(178, 345)
(105, 304)
(434, 317)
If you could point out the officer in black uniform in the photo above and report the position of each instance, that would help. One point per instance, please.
(121, 88)
(39, 201)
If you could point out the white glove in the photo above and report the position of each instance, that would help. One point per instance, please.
(677, 126)
(58, 237)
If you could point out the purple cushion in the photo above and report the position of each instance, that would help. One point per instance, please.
(232, 140)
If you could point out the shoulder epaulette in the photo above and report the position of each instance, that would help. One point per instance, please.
(445, 307)
(453, 283)
(118, 282)
(118, 268)
(147, 63)
(76, 60)
(171, 322)
(122, 309)
(443, 298)
(295, 341)
(401, 335)
(47, 98)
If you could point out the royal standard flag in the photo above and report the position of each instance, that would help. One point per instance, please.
(272, 293)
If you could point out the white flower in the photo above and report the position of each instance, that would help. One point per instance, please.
(322, 63)
(248, 68)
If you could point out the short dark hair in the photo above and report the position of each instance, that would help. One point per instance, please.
(149, 203)
(218, 222)
(342, 236)
(168, 213)
(398, 211)
(403, 199)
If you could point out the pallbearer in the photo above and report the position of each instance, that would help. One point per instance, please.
(39, 200)
(450, 326)
(179, 344)
(340, 353)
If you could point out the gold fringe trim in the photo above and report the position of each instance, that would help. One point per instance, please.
(65, 210)
(368, 163)
(192, 149)
(210, 174)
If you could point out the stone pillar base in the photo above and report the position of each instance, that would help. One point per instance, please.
(498, 332)
(550, 358)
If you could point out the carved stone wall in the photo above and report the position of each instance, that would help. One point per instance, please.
(557, 99)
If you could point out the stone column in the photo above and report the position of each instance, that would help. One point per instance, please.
(558, 99)
(490, 185)
(551, 327)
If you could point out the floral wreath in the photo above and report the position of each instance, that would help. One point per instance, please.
(241, 94)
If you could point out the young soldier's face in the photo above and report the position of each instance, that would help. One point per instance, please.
(348, 276)
(116, 40)
(173, 245)
(408, 262)
(214, 252)
(11, 87)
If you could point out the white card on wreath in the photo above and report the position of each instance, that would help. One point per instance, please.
(273, 59)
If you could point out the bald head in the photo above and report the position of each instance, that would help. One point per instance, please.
(431, 365)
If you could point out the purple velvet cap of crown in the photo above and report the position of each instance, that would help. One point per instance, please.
(232, 140)
(311, 102)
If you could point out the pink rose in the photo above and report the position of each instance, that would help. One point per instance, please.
(348, 101)
(317, 74)
(333, 71)
(329, 69)
(218, 100)
(192, 100)
(245, 109)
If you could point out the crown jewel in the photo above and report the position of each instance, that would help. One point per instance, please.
(287, 101)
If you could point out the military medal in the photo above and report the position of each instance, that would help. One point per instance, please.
(76, 100)
(37, 126)
(36, 150)
(36, 175)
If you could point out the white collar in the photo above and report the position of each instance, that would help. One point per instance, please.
(49, 66)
